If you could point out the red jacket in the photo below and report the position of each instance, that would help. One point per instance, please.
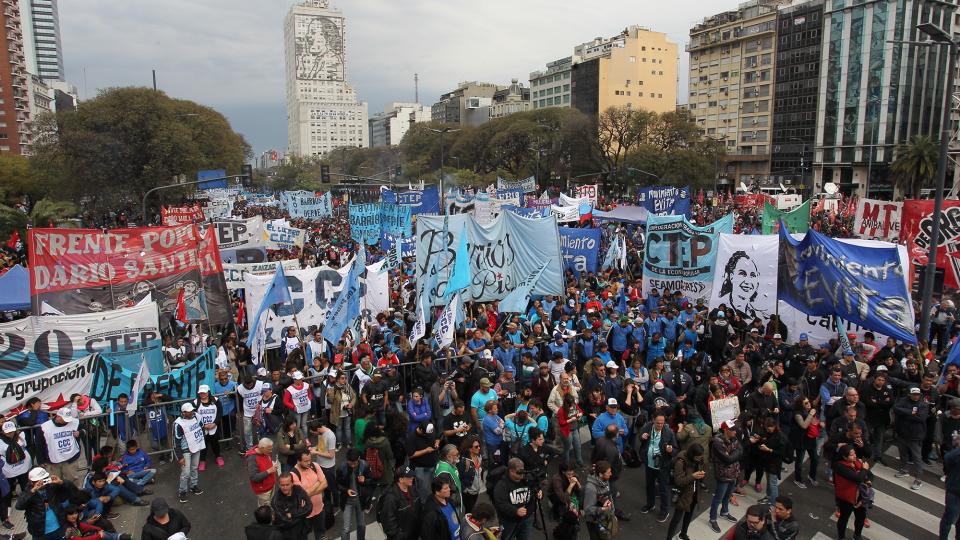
(847, 477)
(88, 531)
(263, 462)
(288, 397)
(566, 426)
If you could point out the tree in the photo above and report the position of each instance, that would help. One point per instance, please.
(619, 131)
(114, 148)
(914, 165)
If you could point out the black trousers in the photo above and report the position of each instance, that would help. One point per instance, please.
(860, 516)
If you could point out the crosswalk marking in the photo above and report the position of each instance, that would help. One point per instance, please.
(876, 531)
(927, 490)
(906, 512)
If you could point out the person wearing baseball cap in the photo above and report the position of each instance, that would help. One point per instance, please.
(397, 515)
(298, 399)
(910, 419)
(209, 413)
(164, 523)
(61, 433)
(188, 442)
(611, 416)
(726, 453)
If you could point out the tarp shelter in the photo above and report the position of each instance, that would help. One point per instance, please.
(15, 289)
(634, 215)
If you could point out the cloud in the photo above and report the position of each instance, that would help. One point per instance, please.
(228, 54)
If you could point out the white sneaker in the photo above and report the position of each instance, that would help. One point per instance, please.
(916, 485)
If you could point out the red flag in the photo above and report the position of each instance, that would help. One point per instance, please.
(181, 308)
(14, 240)
(240, 313)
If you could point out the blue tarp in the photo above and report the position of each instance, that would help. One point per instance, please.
(15, 289)
(635, 215)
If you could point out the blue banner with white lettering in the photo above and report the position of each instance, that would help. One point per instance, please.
(579, 248)
(112, 379)
(309, 207)
(395, 219)
(665, 200)
(365, 223)
(408, 244)
(680, 256)
(420, 201)
(531, 213)
(864, 285)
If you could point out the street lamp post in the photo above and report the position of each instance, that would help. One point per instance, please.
(944, 39)
(441, 131)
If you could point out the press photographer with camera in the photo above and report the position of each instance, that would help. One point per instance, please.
(515, 496)
(598, 503)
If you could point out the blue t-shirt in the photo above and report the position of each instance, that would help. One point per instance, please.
(480, 399)
(452, 522)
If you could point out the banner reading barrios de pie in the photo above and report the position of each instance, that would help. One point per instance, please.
(89, 270)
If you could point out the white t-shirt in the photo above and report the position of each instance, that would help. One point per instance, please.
(328, 441)
(11, 470)
(249, 398)
(61, 444)
(192, 433)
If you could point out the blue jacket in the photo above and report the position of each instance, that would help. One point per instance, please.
(563, 349)
(655, 350)
(506, 357)
(618, 337)
(418, 413)
(605, 419)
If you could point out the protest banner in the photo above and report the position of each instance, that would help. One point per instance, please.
(501, 254)
(310, 207)
(216, 296)
(408, 244)
(263, 200)
(579, 248)
(483, 209)
(540, 202)
(233, 273)
(917, 230)
(796, 220)
(36, 343)
(509, 196)
(111, 379)
(278, 234)
(566, 214)
(587, 192)
(724, 410)
(680, 256)
(573, 201)
(529, 213)
(527, 184)
(819, 275)
(177, 215)
(365, 223)
(665, 200)
(84, 270)
(53, 386)
(878, 220)
(420, 201)
(314, 291)
(395, 219)
(239, 233)
(746, 275)
(217, 209)
(750, 201)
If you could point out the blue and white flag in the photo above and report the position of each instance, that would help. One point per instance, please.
(277, 293)
(519, 298)
(392, 258)
(461, 276)
(445, 327)
(408, 244)
(612, 258)
(347, 307)
(419, 328)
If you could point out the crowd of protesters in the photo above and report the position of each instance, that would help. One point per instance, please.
(529, 420)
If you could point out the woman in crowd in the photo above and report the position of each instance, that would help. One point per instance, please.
(803, 439)
(851, 475)
(492, 427)
(473, 475)
(566, 497)
(569, 418)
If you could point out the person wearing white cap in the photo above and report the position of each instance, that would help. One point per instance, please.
(209, 413)
(36, 501)
(61, 438)
(299, 400)
(16, 456)
(188, 441)
(910, 418)
(611, 416)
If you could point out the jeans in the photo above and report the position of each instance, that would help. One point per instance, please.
(773, 486)
(721, 497)
(345, 431)
(248, 431)
(654, 477)
(424, 476)
(877, 432)
(143, 477)
(517, 530)
(189, 474)
(951, 513)
(353, 513)
(302, 421)
(809, 446)
(572, 445)
(910, 457)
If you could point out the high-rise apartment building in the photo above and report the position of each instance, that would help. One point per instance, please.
(15, 124)
(323, 112)
(636, 68)
(796, 91)
(731, 83)
(41, 38)
(876, 93)
(551, 87)
(389, 127)
(469, 104)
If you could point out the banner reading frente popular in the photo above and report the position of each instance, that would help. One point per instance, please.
(68, 259)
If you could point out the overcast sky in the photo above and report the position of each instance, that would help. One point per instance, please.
(228, 54)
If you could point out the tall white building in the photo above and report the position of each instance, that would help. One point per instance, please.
(389, 127)
(323, 112)
(40, 25)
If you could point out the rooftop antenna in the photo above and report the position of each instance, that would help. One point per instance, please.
(416, 88)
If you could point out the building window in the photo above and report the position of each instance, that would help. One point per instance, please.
(633, 59)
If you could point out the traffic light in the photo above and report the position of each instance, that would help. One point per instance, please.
(399, 171)
(325, 174)
(247, 171)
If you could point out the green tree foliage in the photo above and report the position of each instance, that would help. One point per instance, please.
(115, 147)
(914, 166)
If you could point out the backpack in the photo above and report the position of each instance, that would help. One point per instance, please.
(372, 457)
